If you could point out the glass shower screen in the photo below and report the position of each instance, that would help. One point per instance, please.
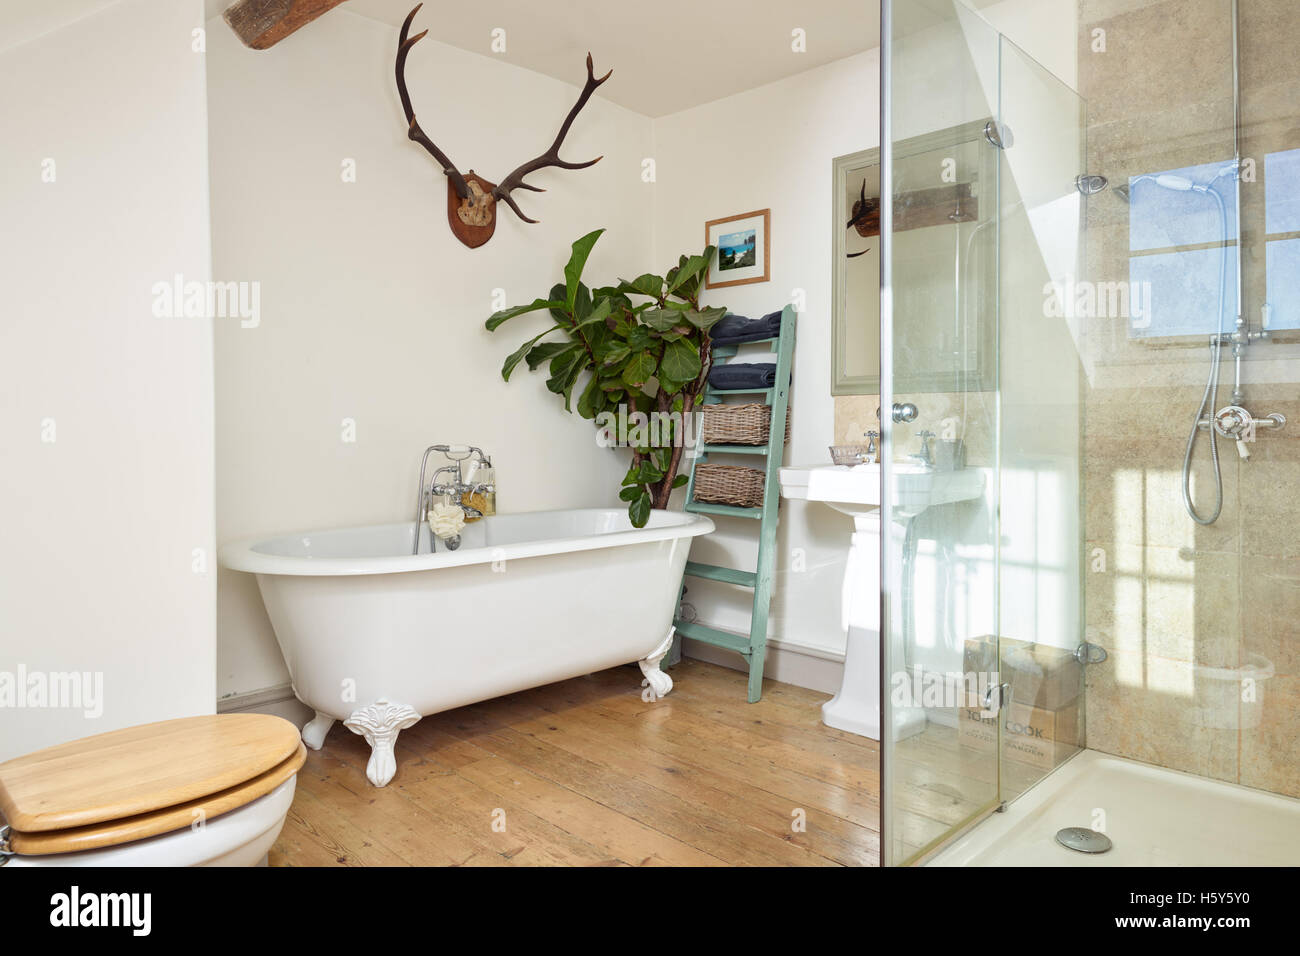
(980, 534)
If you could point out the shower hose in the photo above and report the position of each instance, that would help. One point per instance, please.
(1209, 399)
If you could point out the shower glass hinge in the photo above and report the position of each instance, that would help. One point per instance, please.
(1087, 653)
(999, 134)
(994, 697)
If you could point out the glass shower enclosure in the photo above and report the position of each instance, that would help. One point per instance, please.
(983, 650)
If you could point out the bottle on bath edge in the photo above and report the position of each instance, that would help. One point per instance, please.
(485, 501)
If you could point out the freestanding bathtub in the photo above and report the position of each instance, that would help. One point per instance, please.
(378, 637)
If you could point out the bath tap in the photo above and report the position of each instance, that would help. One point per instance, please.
(456, 489)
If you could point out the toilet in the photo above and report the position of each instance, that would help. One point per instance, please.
(196, 791)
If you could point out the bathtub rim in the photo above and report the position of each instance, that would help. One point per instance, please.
(239, 555)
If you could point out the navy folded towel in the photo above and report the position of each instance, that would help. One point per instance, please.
(742, 375)
(734, 329)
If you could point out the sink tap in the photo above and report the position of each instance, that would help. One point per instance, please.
(926, 455)
(871, 446)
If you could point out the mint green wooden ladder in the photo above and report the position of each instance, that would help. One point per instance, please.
(752, 646)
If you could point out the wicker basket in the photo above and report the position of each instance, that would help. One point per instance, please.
(729, 485)
(746, 424)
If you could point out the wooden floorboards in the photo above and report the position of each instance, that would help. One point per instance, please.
(585, 773)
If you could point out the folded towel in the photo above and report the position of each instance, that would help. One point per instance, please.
(734, 329)
(742, 375)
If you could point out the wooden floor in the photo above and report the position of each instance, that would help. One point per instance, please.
(586, 773)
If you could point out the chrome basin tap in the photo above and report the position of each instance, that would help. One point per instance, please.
(926, 454)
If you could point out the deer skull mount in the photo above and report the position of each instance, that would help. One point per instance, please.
(471, 199)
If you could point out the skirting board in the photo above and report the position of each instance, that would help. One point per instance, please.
(278, 700)
(787, 663)
(802, 667)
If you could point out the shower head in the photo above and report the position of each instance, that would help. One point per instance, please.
(1090, 185)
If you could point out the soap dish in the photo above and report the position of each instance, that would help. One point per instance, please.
(850, 454)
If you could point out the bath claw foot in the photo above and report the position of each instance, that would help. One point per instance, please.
(380, 723)
(657, 684)
(314, 731)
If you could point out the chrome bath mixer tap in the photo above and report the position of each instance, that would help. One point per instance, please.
(456, 488)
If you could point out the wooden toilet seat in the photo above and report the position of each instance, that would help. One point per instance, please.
(144, 781)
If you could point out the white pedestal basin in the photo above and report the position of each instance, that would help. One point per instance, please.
(854, 490)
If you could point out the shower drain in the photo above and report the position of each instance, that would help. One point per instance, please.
(1083, 840)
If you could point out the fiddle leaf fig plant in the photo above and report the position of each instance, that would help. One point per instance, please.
(629, 349)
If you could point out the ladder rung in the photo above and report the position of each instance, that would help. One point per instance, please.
(736, 449)
(725, 575)
(743, 391)
(733, 511)
(729, 348)
(711, 635)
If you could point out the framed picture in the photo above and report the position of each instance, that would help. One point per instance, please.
(744, 249)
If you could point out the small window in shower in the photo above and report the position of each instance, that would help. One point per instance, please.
(1282, 240)
(1180, 282)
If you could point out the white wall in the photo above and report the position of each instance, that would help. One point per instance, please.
(97, 566)
(371, 309)
(772, 147)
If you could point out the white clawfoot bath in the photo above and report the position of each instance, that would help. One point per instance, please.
(377, 637)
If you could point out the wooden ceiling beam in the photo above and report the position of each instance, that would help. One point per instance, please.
(262, 24)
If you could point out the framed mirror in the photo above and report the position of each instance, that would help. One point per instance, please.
(946, 197)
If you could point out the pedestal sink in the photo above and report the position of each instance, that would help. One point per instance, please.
(854, 490)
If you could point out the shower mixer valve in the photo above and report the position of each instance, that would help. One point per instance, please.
(1235, 422)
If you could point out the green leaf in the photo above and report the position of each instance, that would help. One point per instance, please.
(681, 363)
(565, 368)
(705, 319)
(631, 493)
(640, 369)
(577, 261)
(639, 511)
(597, 313)
(517, 356)
(639, 338)
(680, 480)
(689, 269)
(581, 304)
(505, 315)
(592, 399)
(613, 352)
(648, 284)
(648, 474)
(661, 320)
(545, 352)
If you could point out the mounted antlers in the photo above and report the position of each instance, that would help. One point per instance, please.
(471, 199)
(865, 218)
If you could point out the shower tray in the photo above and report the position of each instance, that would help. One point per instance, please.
(1153, 816)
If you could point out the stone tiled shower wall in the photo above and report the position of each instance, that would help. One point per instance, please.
(1179, 605)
